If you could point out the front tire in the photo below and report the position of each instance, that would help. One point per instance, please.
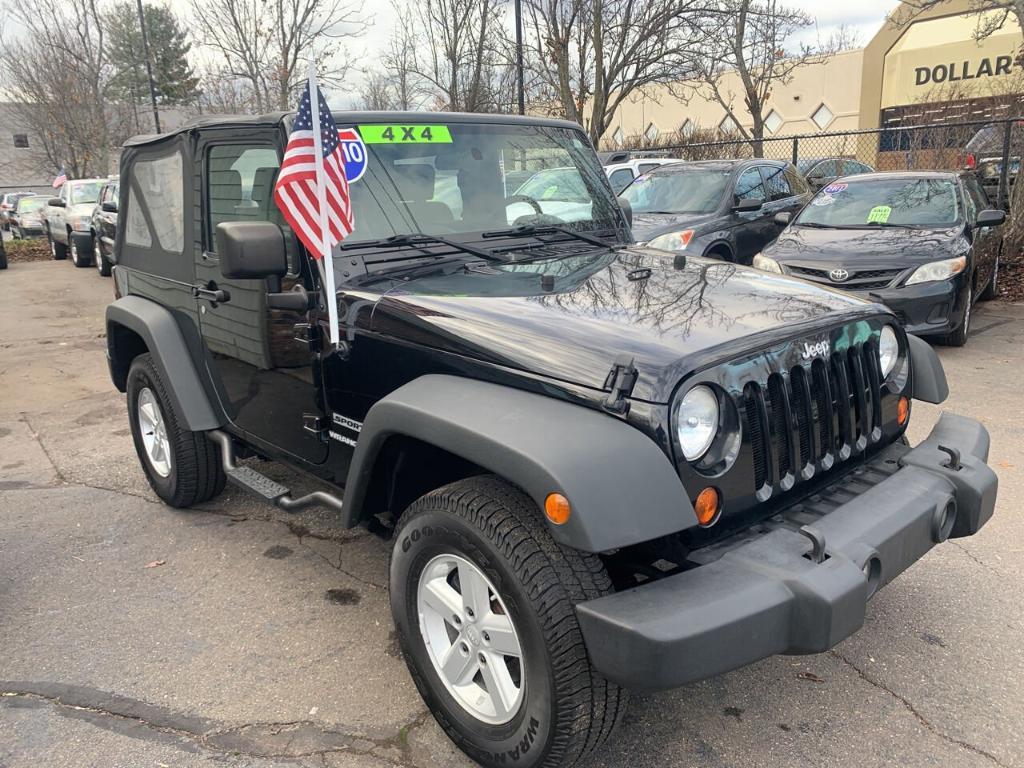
(959, 336)
(992, 289)
(81, 249)
(59, 251)
(476, 577)
(98, 259)
(183, 467)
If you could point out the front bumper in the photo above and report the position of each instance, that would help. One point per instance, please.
(925, 308)
(763, 594)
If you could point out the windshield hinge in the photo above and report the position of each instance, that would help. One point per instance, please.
(619, 382)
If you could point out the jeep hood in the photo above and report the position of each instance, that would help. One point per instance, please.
(671, 315)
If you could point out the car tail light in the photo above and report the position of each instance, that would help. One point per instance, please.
(971, 161)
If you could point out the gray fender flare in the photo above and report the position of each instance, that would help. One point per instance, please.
(622, 488)
(929, 379)
(156, 326)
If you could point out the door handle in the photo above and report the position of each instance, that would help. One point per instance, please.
(211, 293)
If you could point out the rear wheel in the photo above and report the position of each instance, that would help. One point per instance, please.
(484, 603)
(182, 467)
(992, 289)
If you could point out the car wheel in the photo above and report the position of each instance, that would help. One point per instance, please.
(98, 259)
(992, 289)
(15, 234)
(3, 258)
(484, 604)
(959, 337)
(182, 467)
(81, 249)
(57, 250)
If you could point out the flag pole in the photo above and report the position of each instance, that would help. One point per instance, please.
(321, 199)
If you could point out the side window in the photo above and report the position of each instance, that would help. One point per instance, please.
(970, 203)
(776, 182)
(240, 185)
(647, 167)
(159, 185)
(620, 178)
(796, 181)
(64, 192)
(978, 194)
(750, 185)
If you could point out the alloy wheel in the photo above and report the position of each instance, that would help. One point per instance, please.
(471, 639)
(97, 254)
(153, 429)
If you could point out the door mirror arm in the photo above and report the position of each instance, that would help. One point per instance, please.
(298, 299)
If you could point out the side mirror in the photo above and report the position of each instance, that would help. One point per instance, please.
(250, 250)
(56, 202)
(110, 206)
(990, 218)
(748, 204)
(782, 219)
(627, 210)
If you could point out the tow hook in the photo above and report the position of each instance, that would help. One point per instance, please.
(817, 538)
(954, 458)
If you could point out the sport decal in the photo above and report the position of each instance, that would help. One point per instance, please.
(833, 189)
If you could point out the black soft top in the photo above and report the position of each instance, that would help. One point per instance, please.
(347, 117)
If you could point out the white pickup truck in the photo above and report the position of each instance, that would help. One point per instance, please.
(67, 220)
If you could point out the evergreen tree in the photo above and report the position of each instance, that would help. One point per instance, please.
(175, 79)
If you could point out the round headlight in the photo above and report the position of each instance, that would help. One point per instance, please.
(888, 350)
(697, 421)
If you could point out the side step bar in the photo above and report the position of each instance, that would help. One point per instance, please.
(274, 492)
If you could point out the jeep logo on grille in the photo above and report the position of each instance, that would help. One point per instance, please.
(813, 350)
(839, 275)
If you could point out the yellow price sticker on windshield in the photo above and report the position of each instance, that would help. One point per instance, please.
(879, 214)
(405, 134)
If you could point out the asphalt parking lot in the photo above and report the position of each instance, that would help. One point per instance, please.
(132, 634)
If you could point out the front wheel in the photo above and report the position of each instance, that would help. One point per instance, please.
(183, 467)
(59, 251)
(992, 289)
(81, 249)
(959, 336)
(98, 259)
(484, 602)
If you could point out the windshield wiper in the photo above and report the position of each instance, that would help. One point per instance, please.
(887, 224)
(532, 230)
(418, 239)
(816, 225)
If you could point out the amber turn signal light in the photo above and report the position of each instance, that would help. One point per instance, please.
(557, 508)
(706, 507)
(902, 411)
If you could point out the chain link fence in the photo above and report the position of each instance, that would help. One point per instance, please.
(992, 148)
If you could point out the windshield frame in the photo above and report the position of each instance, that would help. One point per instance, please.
(959, 219)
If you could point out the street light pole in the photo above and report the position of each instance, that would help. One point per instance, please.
(519, 57)
(149, 65)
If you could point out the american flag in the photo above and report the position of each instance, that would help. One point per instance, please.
(296, 191)
(62, 177)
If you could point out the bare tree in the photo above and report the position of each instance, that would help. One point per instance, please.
(452, 52)
(589, 56)
(376, 92)
(748, 46)
(400, 64)
(267, 42)
(57, 74)
(986, 25)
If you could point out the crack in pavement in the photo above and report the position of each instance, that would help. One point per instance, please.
(908, 705)
(285, 740)
(39, 441)
(975, 558)
(300, 532)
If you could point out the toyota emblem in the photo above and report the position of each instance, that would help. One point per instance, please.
(838, 275)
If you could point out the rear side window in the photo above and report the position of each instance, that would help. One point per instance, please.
(796, 181)
(240, 185)
(776, 183)
(647, 167)
(825, 169)
(750, 185)
(157, 187)
(620, 178)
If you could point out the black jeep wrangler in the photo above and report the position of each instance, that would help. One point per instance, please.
(603, 466)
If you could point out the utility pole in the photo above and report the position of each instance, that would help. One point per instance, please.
(519, 57)
(149, 65)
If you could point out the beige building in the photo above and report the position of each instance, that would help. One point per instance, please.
(919, 68)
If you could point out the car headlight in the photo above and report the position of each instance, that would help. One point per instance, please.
(80, 223)
(888, 349)
(672, 241)
(767, 264)
(697, 421)
(938, 270)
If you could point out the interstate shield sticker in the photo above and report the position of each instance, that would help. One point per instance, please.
(354, 152)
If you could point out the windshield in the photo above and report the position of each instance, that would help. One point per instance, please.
(919, 203)
(694, 190)
(87, 192)
(465, 179)
(27, 204)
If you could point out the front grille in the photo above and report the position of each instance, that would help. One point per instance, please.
(862, 280)
(812, 416)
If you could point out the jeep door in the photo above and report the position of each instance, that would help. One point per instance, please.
(263, 373)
